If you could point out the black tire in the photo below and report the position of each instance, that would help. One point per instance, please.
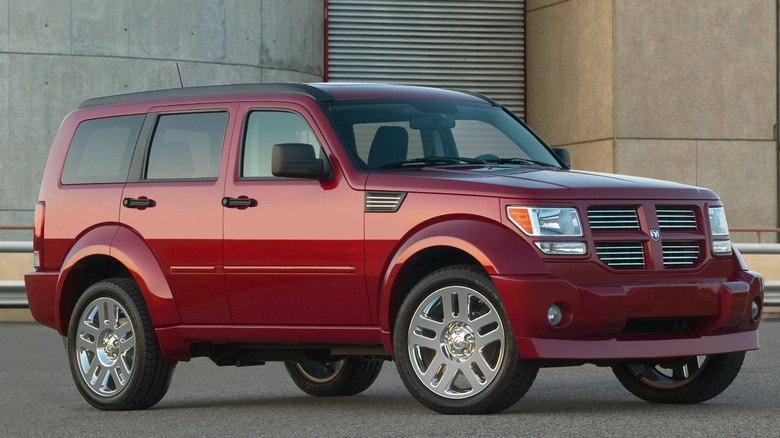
(461, 362)
(113, 353)
(348, 376)
(682, 381)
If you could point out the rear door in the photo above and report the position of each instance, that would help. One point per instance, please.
(293, 247)
(174, 204)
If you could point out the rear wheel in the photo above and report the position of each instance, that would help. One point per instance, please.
(685, 380)
(454, 348)
(114, 357)
(347, 376)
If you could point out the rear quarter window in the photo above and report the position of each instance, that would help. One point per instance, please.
(101, 150)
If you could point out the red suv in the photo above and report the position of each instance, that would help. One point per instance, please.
(337, 226)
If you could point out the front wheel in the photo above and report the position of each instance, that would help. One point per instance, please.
(685, 380)
(454, 347)
(112, 348)
(347, 376)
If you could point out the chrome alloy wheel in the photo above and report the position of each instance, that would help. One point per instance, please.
(668, 375)
(105, 347)
(456, 342)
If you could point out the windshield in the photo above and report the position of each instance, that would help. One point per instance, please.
(396, 134)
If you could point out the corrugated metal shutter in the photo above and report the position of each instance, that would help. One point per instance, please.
(475, 45)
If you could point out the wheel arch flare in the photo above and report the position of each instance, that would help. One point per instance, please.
(490, 245)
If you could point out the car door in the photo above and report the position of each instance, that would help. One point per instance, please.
(293, 247)
(174, 204)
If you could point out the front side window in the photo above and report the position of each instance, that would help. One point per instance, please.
(391, 134)
(101, 150)
(187, 146)
(264, 129)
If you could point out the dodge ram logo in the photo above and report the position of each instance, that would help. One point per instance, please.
(655, 234)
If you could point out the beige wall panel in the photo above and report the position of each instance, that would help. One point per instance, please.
(767, 264)
(13, 266)
(597, 156)
(531, 5)
(744, 174)
(672, 160)
(695, 68)
(569, 71)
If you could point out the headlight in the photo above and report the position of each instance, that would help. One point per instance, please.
(718, 222)
(546, 221)
(721, 244)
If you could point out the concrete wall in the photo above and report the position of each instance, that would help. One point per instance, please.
(669, 89)
(54, 54)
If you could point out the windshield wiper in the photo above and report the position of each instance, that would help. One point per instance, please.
(432, 161)
(525, 161)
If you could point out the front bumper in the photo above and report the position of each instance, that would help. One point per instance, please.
(620, 321)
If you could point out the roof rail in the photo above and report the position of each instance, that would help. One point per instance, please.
(211, 90)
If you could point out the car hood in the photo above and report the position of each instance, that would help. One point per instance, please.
(533, 183)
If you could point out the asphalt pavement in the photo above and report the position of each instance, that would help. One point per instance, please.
(38, 398)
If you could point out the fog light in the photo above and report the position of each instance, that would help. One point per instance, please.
(562, 248)
(721, 246)
(755, 310)
(554, 315)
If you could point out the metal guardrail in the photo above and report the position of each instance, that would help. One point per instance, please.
(12, 293)
(772, 293)
(16, 247)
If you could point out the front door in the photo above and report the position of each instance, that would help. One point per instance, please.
(293, 247)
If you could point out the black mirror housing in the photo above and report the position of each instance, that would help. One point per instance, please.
(297, 160)
(564, 155)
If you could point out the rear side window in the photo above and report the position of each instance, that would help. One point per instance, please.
(187, 146)
(101, 150)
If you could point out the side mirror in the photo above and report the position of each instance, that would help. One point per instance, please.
(563, 154)
(297, 160)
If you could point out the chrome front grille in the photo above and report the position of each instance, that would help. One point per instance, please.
(676, 218)
(613, 218)
(613, 226)
(621, 255)
(680, 254)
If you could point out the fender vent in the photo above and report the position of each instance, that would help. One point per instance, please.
(383, 202)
